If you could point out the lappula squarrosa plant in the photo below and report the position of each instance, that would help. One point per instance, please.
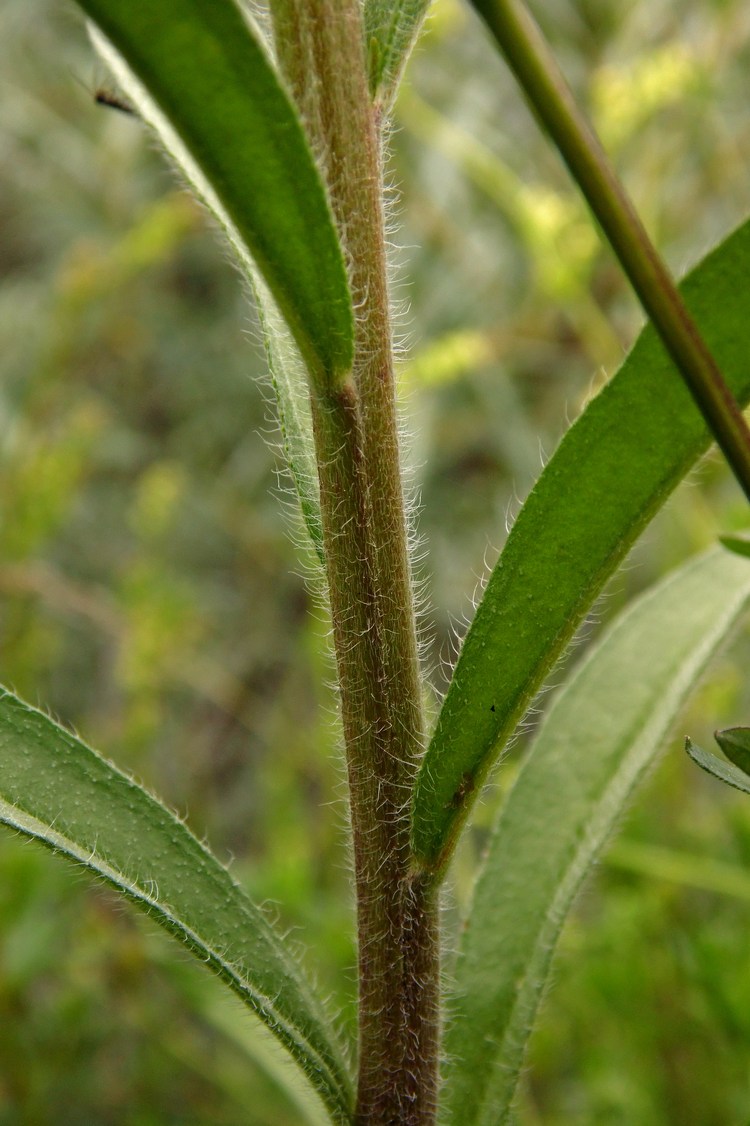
(281, 134)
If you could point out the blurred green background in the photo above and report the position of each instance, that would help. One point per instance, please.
(152, 598)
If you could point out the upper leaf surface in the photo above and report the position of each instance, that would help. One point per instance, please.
(207, 71)
(391, 28)
(56, 789)
(735, 743)
(599, 737)
(613, 469)
(287, 374)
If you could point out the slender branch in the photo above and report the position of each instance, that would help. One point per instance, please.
(536, 69)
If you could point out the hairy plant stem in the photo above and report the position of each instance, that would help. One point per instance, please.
(321, 50)
(536, 69)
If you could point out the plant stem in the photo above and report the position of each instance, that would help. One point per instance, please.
(321, 49)
(536, 69)
(377, 859)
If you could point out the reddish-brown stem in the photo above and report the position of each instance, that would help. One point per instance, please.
(321, 49)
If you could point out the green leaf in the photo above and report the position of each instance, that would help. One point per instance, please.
(221, 1012)
(612, 471)
(60, 792)
(293, 409)
(718, 767)
(200, 75)
(600, 735)
(735, 743)
(391, 29)
(739, 544)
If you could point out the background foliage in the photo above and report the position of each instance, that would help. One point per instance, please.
(150, 594)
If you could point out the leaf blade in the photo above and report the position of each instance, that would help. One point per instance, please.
(208, 72)
(63, 794)
(718, 768)
(735, 743)
(286, 372)
(599, 737)
(391, 29)
(612, 471)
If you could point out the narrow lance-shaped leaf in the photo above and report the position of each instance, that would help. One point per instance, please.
(391, 29)
(205, 69)
(612, 471)
(286, 365)
(286, 371)
(718, 767)
(260, 1047)
(60, 792)
(600, 735)
(529, 56)
(735, 743)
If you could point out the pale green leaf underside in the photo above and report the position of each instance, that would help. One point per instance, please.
(57, 790)
(614, 468)
(287, 375)
(208, 73)
(391, 29)
(263, 1051)
(601, 733)
(718, 767)
(285, 363)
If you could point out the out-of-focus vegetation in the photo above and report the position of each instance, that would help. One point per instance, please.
(151, 595)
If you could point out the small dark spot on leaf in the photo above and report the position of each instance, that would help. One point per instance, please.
(465, 786)
(104, 97)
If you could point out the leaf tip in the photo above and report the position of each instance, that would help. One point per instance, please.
(725, 771)
(737, 542)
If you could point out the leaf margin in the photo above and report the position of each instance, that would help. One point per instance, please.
(391, 31)
(306, 1034)
(193, 59)
(524, 966)
(643, 416)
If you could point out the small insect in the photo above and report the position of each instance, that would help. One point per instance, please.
(104, 97)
